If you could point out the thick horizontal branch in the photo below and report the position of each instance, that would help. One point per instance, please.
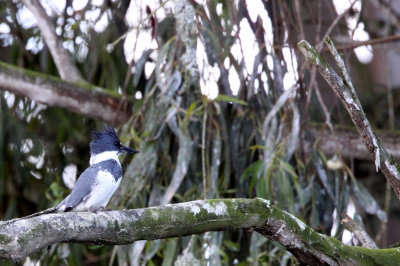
(82, 98)
(21, 237)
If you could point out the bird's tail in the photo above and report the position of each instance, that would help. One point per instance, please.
(49, 210)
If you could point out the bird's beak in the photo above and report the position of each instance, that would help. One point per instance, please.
(125, 149)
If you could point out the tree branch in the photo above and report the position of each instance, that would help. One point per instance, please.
(109, 107)
(67, 70)
(344, 89)
(83, 99)
(21, 237)
(358, 231)
(347, 142)
(353, 44)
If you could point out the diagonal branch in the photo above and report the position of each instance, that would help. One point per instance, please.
(344, 89)
(68, 71)
(359, 232)
(22, 237)
(83, 99)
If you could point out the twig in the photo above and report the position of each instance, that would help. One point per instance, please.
(382, 40)
(388, 6)
(358, 231)
(323, 106)
(355, 44)
(111, 46)
(298, 18)
(318, 47)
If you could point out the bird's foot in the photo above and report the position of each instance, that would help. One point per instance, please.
(100, 210)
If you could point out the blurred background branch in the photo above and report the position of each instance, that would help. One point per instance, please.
(83, 99)
(68, 70)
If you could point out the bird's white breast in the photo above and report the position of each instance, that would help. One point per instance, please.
(101, 192)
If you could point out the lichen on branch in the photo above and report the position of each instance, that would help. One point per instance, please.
(24, 236)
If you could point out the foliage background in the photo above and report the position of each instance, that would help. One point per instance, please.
(260, 137)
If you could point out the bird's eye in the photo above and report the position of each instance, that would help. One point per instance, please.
(118, 144)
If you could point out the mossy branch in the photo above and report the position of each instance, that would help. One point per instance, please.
(344, 89)
(80, 98)
(22, 237)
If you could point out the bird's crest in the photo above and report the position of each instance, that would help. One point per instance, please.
(104, 140)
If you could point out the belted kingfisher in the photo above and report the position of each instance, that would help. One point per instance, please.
(97, 184)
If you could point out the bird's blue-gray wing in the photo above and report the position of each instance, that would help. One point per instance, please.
(82, 187)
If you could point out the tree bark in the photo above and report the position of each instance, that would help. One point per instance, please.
(81, 98)
(21, 237)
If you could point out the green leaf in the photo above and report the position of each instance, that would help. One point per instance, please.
(285, 191)
(232, 245)
(288, 168)
(229, 191)
(94, 247)
(261, 188)
(226, 98)
(190, 111)
(255, 169)
(258, 147)
(56, 189)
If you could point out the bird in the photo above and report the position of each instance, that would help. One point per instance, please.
(97, 184)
